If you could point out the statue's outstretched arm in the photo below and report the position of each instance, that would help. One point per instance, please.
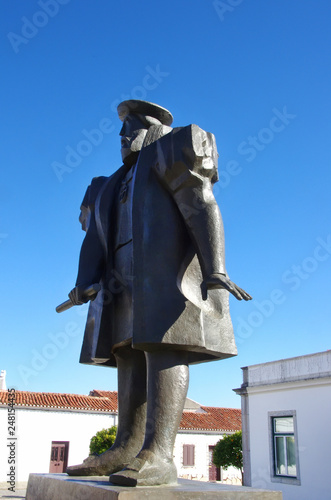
(187, 165)
(203, 219)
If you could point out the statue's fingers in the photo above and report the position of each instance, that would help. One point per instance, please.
(235, 293)
(75, 299)
(244, 294)
(232, 288)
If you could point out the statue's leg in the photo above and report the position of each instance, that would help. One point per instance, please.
(168, 377)
(131, 366)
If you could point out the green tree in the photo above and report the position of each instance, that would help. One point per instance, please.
(103, 440)
(228, 451)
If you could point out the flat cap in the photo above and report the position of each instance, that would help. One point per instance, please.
(135, 106)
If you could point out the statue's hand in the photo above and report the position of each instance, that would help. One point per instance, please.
(221, 281)
(79, 296)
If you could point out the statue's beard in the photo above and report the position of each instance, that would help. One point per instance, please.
(129, 157)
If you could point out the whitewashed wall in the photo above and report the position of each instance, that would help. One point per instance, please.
(310, 397)
(36, 429)
(200, 471)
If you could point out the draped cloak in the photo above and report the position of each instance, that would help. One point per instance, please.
(177, 241)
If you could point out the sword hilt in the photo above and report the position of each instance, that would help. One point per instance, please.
(88, 293)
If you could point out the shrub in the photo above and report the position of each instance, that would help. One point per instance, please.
(103, 440)
(228, 451)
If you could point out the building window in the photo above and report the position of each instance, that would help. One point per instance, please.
(188, 455)
(284, 447)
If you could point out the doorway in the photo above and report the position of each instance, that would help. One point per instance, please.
(59, 456)
(214, 471)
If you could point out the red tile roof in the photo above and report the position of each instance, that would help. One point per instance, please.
(111, 395)
(59, 401)
(215, 419)
(210, 419)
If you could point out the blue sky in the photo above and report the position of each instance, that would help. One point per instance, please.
(257, 75)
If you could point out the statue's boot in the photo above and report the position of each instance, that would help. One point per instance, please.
(131, 365)
(167, 388)
(110, 461)
(146, 469)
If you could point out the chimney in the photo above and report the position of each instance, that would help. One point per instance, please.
(3, 386)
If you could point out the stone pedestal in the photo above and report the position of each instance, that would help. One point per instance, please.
(64, 487)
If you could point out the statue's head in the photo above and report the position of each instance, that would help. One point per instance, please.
(137, 117)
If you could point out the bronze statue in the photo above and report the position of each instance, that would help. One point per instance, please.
(152, 264)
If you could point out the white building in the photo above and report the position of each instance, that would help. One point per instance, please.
(54, 430)
(286, 414)
(47, 424)
(201, 427)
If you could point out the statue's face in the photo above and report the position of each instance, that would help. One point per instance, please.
(132, 135)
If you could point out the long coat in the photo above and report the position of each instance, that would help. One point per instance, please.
(177, 241)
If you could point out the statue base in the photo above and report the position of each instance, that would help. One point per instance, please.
(64, 487)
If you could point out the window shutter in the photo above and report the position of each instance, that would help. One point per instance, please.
(188, 455)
